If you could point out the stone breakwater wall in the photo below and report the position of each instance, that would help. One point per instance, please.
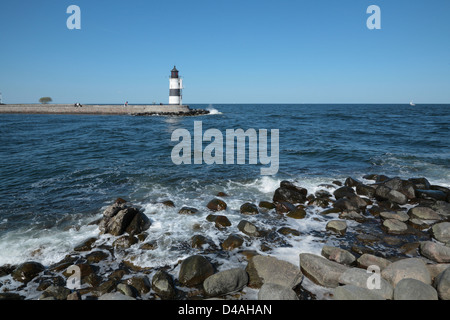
(95, 109)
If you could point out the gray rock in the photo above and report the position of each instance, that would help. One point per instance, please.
(397, 197)
(338, 255)
(58, 292)
(337, 226)
(248, 228)
(117, 224)
(431, 194)
(394, 226)
(435, 251)
(194, 270)
(362, 278)
(352, 215)
(343, 192)
(443, 285)
(224, 282)
(437, 269)
(163, 285)
(273, 291)
(249, 209)
(412, 289)
(266, 269)
(115, 296)
(423, 213)
(400, 216)
(288, 192)
(126, 290)
(413, 268)
(188, 211)
(364, 190)
(367, 260)
(351, 292)
(442, 208)
(27, 271)
(441, 232)
(320, 270)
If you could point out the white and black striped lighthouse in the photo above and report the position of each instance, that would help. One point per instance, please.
(176, 85)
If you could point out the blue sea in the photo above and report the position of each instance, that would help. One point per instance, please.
(59, 171)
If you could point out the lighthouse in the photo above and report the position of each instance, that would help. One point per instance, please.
(176, 85)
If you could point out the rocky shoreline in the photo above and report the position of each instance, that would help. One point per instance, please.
(190, 113)
(392, 233)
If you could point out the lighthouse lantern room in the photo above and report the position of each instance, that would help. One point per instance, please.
(176, 85)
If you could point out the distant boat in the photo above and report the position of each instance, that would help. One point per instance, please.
(412, 104)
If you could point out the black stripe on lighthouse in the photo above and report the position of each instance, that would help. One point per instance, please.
(175, 92)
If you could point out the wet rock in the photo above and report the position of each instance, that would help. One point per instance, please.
(267, 205)
(222, 222)
(168, 203)
(127, 290)
(118, 223)
(6, 270)
(139, 224)
(362, 278)
(413, 268)
(320, 270)
(96, 256)
(343, 192)
(352, 215)
(337, 226)
(125, 242)
(232, 242)
(443, 285)
(298, 213)
(435, 251)
(225, 282)
(354, 293)
(400, 216)
(419, 224)
(364, 190)
(420, 183)
(284, 207)
(436, 269)
(27, 271)
(74, 296)
(383, 192)
(286, 231)
(442, 208)
(249, 209)
(351, 203)
(140, 283)
(86, 245)
(288, 192)
(194, 270)
(323, 194)
(338, 255)
(351, 182)
(163, 285)
(273, 291)
(267, 269)
(57, 292)
(222, 194)
(403, 186)
(411, 289)
(441, 232)
(423, 213)
(105, 287)
(319, 202)
(217, 205)
(431, 194)
(199, 241)
(248, 228)
(10, 296)
(331, 211)
(394, 226)
(151, 245)
(188, 210)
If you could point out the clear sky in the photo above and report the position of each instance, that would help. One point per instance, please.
(227, 51)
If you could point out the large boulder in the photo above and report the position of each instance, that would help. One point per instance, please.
(121, 217)
(413, 268)
(232, 242)
(338, 255)
(163, 285)
(343, 192)
(423, 213)
(443, 285)
(369, 260)
(217, 205)
(435, 251)
(394, 226)
(337, 226)
(274, 291)
(362, 278)
(412, 289)
(224, 282)
(353, 293)
(27, 271)
(320, 270)
(288, 192)
(266, 269)
(441, 232)
(249, 209)
(248, 228)
(194, 270)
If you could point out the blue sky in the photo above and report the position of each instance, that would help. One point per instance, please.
(233, 51)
